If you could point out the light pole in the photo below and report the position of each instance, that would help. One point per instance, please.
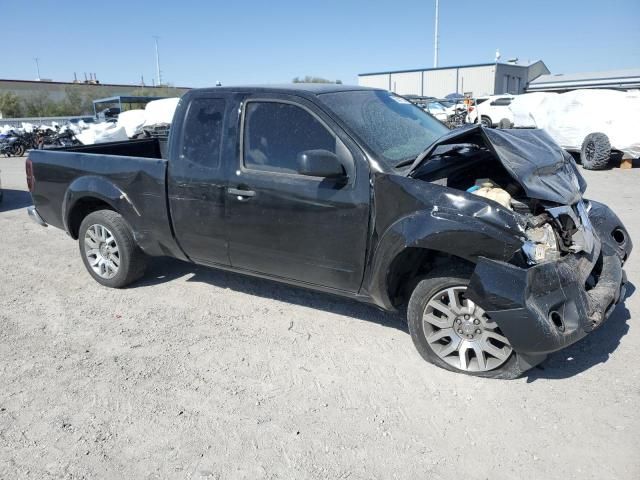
(37, 67)
(435, 37)
(158, 61)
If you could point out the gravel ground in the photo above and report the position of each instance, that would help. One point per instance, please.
(195, 373)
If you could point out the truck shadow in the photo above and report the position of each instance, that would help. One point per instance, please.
(592, 350)
(165, 269)
(14, 200)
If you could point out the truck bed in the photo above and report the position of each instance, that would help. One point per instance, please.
(129, 176)
(145, 148)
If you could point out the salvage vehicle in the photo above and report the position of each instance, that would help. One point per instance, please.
(596, 124)
(482, 235)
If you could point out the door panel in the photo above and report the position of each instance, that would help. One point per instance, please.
(306, 229)
(197, 186)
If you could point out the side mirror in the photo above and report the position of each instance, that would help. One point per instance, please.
(320, 163)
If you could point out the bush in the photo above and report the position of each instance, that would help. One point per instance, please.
(10, 105)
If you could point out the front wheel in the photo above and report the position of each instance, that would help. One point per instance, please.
(109, 251)
(454, 333)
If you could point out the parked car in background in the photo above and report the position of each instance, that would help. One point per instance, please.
(419, 100)
(483, 236)
(493, 111)
(438, 110)
(595, 123)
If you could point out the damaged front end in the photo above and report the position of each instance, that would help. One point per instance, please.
(567, 276)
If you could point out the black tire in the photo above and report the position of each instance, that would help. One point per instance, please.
(486, 122)
(595, 153)
(505, 123)
(18, 150)
(428, 287)
(132, 260)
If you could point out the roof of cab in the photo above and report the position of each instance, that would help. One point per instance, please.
(294, 88)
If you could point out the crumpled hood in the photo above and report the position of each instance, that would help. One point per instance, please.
(532, 158)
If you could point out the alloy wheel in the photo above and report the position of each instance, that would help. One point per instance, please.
(461, 334)
(101, 250)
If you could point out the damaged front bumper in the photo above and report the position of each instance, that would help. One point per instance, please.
(544, 308)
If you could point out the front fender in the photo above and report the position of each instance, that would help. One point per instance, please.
(92, 186)
(445, 230)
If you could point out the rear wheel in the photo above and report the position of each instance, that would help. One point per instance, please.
(454, 333)
(109, 251)
(596, 151)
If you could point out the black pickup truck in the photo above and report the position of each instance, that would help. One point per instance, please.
(482, 235)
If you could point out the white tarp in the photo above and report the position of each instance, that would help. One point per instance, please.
(132, 120)
(524, 108)
(101, 133)
(114, 134)
(160, 111)
(569, 117)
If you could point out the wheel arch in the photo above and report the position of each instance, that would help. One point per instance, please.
(410, 265)
(415, 243)
(89, 194)
(487, 117)
(80, 209)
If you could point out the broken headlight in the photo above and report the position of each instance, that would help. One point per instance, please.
(541, 245)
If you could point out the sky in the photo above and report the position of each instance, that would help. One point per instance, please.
(247, 42)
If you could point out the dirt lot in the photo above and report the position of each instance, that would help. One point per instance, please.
(195, 373)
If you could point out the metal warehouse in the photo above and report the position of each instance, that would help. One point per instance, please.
(618, 79)
(477, 80)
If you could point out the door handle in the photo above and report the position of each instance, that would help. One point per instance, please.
(236, 192)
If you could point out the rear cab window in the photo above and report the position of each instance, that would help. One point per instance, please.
(202, 132)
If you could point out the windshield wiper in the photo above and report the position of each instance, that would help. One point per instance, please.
(454, 147)
(405, 162)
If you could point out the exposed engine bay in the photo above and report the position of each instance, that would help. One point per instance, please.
(547, 263)
(551, 229)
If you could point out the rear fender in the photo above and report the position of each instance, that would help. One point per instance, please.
(102, 189)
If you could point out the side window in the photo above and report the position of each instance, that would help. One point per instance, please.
(276, 133)
(203, 132)
(501, 102)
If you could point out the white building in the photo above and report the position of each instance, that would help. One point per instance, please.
(477, 80)
(618, 79)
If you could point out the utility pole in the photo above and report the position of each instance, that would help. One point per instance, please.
(37, 60)
(435, 37)
(156, 37)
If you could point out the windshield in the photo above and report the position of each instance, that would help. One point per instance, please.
(393, 128)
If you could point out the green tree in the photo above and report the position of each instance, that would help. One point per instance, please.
(10, 105)
(79, 100)
(164, 91)
(39, 105)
